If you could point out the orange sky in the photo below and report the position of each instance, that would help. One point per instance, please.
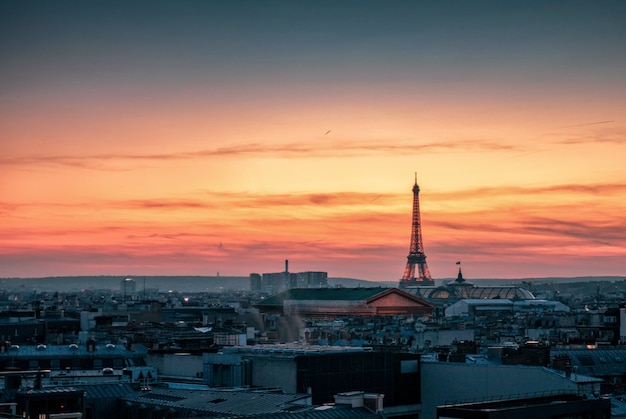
(189, 149)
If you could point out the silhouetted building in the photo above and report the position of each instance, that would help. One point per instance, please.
(256, 282)
(280, 281)
(310, 280)
(67, 403)
(128, 288)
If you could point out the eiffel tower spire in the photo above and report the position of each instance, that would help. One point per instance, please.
(416, 271)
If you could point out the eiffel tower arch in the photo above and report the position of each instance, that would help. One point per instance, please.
(416, 271)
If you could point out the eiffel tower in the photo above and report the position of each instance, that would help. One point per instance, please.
(416, 271)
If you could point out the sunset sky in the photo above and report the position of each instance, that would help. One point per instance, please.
(196, 137)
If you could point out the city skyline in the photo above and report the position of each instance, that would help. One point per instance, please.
(190, 138)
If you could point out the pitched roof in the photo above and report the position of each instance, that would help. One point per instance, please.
(107, 390)
(596, 362)
(323, 412)
(322, 294)
(217, 402)
(403, 294)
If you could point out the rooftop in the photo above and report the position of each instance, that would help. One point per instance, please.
(217, 402)
(72, 350)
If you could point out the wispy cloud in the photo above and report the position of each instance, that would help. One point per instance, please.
(604, 232)
(522, 230)
(207, 200)
(307, 149)
(601, 132)
(589, 123)
(606, 189)
(315, 199)
(166, 203)
(606, 138)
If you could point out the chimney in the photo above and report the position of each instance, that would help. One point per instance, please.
(286, 265)
(91, 345)
(563, 363)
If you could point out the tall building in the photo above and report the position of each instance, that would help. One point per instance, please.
(281, 281)
(128, 288)
(256, 282)
(416, 271)
(310, 280)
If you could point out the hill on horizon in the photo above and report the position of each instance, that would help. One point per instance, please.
(190, 283)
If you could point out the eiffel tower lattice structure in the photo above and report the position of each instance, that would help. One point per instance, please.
(416, 271)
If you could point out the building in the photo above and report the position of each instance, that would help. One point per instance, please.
(28, 327)
(84, 401)
(345, 302)
(66, 403)
(460, 289)
(164, 402)
(279, 281)
(453, 383)
(256, 282)
(70, 364)
(319, 371)
(474, 307)
(311, 280)
(608, 364)
(128, 288)
(184, 401)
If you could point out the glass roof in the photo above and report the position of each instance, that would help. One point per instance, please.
(463, 292)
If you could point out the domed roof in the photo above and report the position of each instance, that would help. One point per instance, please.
(505, 292)
(460, 289)
(460, 281)
(456, 292)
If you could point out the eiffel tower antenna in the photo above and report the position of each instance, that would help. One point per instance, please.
(416, 271)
